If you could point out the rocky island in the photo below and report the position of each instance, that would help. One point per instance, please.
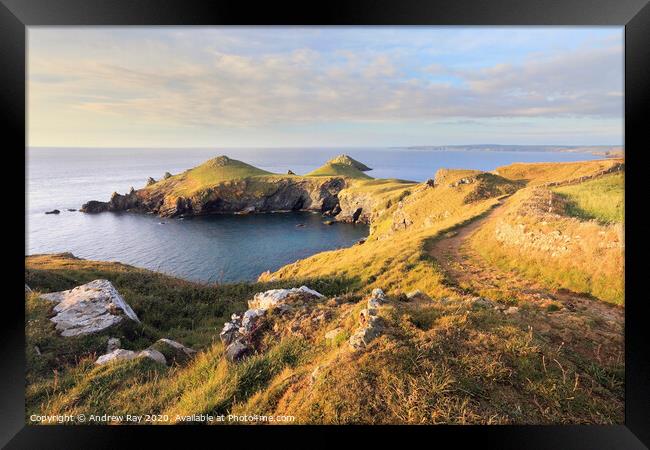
(225, 185)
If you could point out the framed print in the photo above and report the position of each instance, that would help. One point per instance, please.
(370, 217)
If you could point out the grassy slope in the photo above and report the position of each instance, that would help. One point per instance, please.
(595, 263)
(438, 362)
(539, 173)
(395, 259)
(425, 369)
(334, 169)
(601, 199)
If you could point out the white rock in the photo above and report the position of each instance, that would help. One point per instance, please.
(125, 355)
(249, 319)
(113, 344)
(511, 310)
(273, 297)
(89, 308)
(152, 354)
(116, 355)
(373, 303)
(378, 294)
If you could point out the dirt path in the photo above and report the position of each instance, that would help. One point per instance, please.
(592, 326)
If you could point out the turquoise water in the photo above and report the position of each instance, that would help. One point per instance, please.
(216, 248)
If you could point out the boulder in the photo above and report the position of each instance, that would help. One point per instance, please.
(290, 172)
(511, 310)
(116, 355)
(274, 297)
(125, 355)
(237, 350)
(174, 352)
(54, 211)
(152, 354)
(249, 320)
(167, 175)
(89, 308)
(229, 333)
(417, 295)
(363, 336)
(150, 181)
(378, 294)
(113, 344)
(332, 334)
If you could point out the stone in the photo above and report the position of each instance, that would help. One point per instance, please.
(373, 303)
(113, 344)
(116, 355)
(167, 175)
(89, 308)
(152, 354)
(28, 290)
(332, 334)
(290, 172)
(378, 294)
(150, 181)
(54, 211)
(273, 297)
(173, 351)
(237, 350)
(229, 333)
(315, 373)
(125, 355)
(417, 295)
(250, 320)
(363, 336)
(511, 310)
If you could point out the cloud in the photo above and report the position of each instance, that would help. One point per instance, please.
(170, 82)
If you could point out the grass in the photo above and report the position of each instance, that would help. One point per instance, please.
(593, 262)
(540, 173)
(336, 170)
(601, 199)
(440, 361)
(394, 257)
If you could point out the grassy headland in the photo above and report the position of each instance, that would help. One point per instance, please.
(451, 354)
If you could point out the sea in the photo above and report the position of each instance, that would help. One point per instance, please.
(213, 249)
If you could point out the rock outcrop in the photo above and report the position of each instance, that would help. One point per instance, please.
(370, 324)
(89, 308)
(236, 334)
(290, 193)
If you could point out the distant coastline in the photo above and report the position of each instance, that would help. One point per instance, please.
(609, 151)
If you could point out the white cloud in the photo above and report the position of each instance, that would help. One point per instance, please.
(217, 88)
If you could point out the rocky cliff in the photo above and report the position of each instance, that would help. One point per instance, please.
(223, 185)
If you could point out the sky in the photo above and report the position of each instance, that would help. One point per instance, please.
(324, 86)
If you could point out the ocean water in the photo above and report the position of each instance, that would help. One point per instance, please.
(219, 248)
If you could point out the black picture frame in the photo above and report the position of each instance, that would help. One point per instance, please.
(16, 15)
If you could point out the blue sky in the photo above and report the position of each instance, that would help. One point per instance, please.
(324, 86)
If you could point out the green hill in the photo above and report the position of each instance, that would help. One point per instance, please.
(342, 166)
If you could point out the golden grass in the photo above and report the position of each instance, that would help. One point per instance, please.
(584, 256)
(540, 173)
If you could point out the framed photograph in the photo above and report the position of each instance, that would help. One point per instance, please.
(380, 217)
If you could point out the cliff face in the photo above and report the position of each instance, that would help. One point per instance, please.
(246, 195)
